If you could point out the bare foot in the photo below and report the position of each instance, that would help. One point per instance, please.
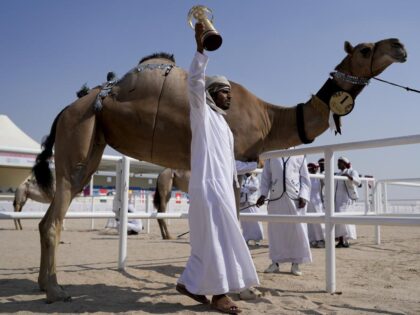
(199, 298)
(224, 304)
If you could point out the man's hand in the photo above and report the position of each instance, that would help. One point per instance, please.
(260, 201)
(302, 203)
(199, 30)
(260, 162)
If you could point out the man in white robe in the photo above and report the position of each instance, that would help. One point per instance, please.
(220, 260)
(345, 196)
(316, 231)
(251, 230)
(286, 181)
(134, 226)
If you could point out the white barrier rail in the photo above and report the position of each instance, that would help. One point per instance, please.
(330, 218)
(380, 193)
(95, 215)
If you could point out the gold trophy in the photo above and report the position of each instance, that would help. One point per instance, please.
(211, 39)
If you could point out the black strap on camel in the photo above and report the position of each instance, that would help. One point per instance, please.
(301, 125)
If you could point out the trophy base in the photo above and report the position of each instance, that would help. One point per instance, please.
(211, 40)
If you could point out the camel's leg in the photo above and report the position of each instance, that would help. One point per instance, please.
(164, 228)
(73, 170)
(164, 188)
(162, 222)
(18, 203)
(50, 226)
(50, 232)
(17, 208)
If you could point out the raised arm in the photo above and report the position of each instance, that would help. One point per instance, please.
(196, 74)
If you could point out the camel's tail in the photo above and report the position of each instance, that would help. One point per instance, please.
(41, 169)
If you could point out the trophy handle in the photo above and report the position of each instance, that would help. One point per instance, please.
(199, 7)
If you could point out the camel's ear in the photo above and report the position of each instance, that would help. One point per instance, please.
(348, 48)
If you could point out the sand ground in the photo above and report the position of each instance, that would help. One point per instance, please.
(371, 279)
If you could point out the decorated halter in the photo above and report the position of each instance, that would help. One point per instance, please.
(349, 78)
(340, 102)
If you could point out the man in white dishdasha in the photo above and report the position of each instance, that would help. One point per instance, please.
(220, 260)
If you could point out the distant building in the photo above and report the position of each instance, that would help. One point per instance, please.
(18, 152)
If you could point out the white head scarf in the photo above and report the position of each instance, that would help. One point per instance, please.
(213, 85)
(344, 159)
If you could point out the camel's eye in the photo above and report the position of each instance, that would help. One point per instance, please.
(365, 51)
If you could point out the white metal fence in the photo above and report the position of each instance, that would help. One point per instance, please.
(372, 215)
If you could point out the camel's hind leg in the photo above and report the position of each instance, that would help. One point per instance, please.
(18, 203)
(18, 208)
(50, 232)
(164, 228)
(165, 188)
(50, 226)
(74, 167)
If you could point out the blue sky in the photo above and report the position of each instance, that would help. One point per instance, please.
(280, 50)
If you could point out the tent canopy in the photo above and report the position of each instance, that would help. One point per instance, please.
(12, 136)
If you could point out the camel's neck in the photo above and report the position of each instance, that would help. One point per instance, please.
(283, 130)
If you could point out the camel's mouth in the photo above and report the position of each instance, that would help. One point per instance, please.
(399, 56)
(399, 53)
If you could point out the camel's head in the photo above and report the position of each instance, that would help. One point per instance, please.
(367, 60)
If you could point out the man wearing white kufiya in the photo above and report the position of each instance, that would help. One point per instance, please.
(220, 260)
(316, 231)
(345, 196)
(251, 230)
(287, 181)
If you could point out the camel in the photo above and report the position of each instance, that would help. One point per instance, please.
(167, 179)
(28, 189)
(145, 115)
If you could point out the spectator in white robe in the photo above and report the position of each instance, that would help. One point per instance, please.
(286, 182)
(220, 261)
(345, 196)
(316, 231)
(134, 226)
(251, 230)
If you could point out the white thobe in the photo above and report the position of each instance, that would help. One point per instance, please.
(287, 180)
(135, 225)
(220, 260)
(251, 230)
(316, 231)
(345, 196)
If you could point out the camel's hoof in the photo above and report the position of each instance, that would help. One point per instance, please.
(42, 286)
(57, 294)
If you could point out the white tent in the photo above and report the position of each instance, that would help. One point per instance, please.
(12, 138)
(18, 153)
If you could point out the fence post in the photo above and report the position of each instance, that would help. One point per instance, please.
(147, 211)
(329, 227)
(92, 205)
(385, 197)
(366, 197)
(378, 210)
(124, 185)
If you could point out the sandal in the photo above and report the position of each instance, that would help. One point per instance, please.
(224, 304)
(199, 298)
